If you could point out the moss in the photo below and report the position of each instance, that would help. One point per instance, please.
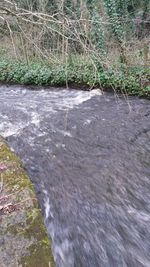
(14, 174)
(25, 225)
(39, 255)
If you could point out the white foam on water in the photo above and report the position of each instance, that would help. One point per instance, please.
(65, 133)
(8, 129)
(87, 122)
(53, 101)
(75, 98)
(35, 119)
(140, 215)
(62, 250)
(47, 206)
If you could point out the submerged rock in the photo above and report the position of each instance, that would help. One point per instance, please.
(23, 237)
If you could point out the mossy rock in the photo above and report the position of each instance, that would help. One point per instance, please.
(23, 238)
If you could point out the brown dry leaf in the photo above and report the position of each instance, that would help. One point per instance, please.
(8, 208)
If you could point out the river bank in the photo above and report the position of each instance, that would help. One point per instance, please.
(23, 237)
(126, 80)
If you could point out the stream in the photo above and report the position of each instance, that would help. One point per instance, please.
(88, 156)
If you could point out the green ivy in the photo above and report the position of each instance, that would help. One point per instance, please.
(80, 73)
(97, 31)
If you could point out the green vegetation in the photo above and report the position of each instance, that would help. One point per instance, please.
(126, 80)
(93, 43)
(22, 229)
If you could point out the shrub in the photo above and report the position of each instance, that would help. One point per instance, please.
(120, 79)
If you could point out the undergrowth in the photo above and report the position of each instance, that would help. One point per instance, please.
(130, 80)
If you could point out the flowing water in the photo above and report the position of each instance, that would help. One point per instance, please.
(88, 156)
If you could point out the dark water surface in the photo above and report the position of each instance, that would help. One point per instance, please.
(88, 156)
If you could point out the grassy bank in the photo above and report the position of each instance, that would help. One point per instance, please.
(25, 240)
(130, 80)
